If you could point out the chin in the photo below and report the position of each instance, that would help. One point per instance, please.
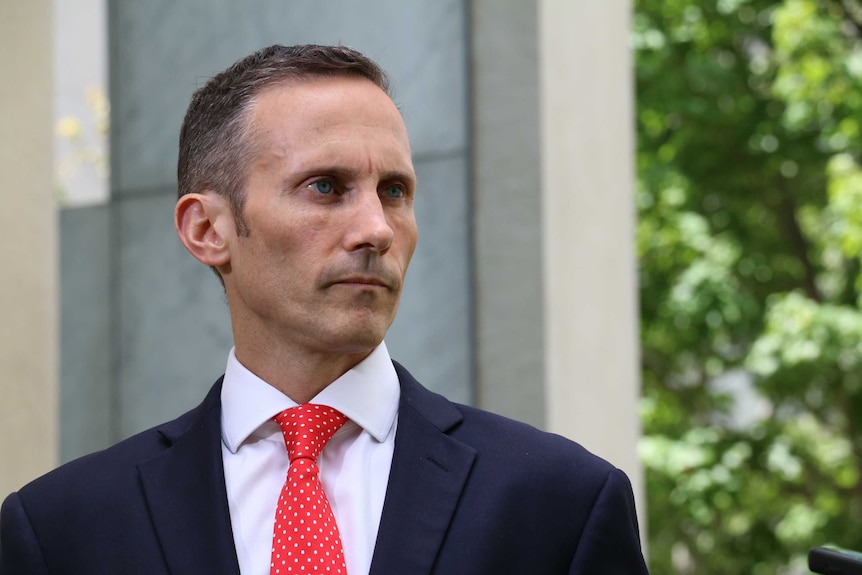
(360, 338)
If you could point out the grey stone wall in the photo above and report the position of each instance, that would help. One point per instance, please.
(507, 194)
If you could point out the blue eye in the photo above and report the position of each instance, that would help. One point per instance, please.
(396, 191)
(322, 187)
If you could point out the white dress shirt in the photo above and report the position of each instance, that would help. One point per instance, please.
(354, 465)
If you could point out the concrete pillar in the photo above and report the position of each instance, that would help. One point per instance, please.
(590, 296)
(28, 309)
(507, 209)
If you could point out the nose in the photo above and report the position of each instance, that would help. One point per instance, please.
(369, 228)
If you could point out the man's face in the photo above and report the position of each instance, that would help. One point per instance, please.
(329, 213)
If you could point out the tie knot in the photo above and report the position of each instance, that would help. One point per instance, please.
(307, 428)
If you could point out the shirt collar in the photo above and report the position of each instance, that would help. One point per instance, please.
(367, 394)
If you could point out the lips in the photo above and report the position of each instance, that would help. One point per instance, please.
(385, 280)
(370, 272)
(363, 280)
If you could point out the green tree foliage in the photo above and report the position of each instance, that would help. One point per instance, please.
(749, 238)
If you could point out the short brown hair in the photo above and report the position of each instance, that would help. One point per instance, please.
(214, 148)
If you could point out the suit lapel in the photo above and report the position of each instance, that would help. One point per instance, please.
(429, 471)
(185, 492)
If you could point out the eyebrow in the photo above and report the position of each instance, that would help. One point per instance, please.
(344, 173)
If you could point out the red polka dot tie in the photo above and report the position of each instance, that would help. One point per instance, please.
(305, 538)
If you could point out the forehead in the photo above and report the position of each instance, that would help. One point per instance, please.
(299, 113)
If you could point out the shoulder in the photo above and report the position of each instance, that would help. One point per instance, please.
(527, 492)
(529, 454)
(543, 491)
(486, 431)
(521, 451)
(109, 470)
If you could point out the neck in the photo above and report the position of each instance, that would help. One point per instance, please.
(298, 375)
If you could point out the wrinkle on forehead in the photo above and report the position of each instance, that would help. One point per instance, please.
(351, 156)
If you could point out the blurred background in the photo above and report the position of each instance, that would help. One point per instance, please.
(640, 227)
(749, 233)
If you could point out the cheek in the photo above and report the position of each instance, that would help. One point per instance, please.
(304, 251)
(310, 242)
(292, 233)
(407, 235)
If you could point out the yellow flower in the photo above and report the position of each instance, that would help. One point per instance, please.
(69, 127)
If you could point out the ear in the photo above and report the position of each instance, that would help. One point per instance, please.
(204, 222)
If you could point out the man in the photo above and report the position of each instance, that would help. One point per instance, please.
(296, 186)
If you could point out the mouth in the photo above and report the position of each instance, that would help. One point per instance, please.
(363, 281)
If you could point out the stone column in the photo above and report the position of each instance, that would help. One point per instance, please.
(507, 209)
(590, 295)
(28, 309)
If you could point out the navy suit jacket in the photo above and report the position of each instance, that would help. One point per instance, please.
(469, 493)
